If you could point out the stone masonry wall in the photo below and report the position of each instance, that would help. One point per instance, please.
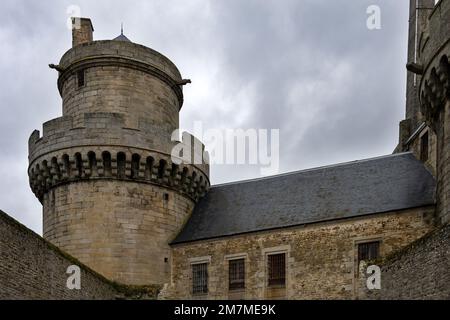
(421, 271)
(120, 229)
(31, 268)
(143, 99)
(321, 258)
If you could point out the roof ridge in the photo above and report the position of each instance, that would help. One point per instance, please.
(311, 169)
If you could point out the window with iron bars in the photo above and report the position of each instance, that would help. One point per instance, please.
(277, 269)
(368, 251)
(236, 269)
(200, 278)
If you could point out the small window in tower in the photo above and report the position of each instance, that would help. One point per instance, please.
(424, 147)
(200, 278)
(368, 251)
(277, 269)
(236, 279)
(80, 78)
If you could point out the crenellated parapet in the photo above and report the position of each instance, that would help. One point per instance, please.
(435, 90)
(434, 50)
(78, 164)
(109, 129)
(102, 147)
(99, 128)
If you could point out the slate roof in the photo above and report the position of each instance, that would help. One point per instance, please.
(352, 189)
(121, 37)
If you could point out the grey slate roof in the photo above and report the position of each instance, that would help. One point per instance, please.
(357, 188)
(121, 37)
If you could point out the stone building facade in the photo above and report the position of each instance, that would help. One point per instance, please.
(118, 200)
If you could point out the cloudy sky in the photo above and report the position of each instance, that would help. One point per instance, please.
(310, 68)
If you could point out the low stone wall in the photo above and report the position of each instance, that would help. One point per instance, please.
(32, 268)
(420, 271)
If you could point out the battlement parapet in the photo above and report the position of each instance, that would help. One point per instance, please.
(434, 50)
(98, 129)
(127, 164)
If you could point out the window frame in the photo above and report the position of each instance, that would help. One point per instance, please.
(194, 262)
(240, 283)
(271, 255)
(201, 288)
(368, 242)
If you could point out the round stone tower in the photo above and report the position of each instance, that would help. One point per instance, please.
(112, 194)
(434, 88)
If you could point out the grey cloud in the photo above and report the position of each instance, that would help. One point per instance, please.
(311, 68)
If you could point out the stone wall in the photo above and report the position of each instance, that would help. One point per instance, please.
(321, 258)
(120, 229)
(31, 268)
(416, 148)
(420, 271)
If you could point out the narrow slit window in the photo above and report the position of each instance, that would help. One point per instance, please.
(80, 78)
(200, 278)
(236, 279)
(424, 147)
(277, 269)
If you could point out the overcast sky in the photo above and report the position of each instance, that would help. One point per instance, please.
(310, 68)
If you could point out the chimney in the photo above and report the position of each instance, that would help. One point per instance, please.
(82, 30)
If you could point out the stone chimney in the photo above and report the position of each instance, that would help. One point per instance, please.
(82, 30)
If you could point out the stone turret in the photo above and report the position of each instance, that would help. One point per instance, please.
(434, 88)
(419, 10)
(418, 17)
(112, 195)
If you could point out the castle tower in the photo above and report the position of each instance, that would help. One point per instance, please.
(434, 89)
(112, 195)
(419, 10)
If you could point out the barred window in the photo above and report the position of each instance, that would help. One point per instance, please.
(200, 278)
(277, 269)
(424, 147)
(368, 251)
(236, 279)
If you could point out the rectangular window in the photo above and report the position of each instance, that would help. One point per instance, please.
(424, 147)
(236, 279)
(200, 278)
(277, 269)
(80, 78)
(368, 251)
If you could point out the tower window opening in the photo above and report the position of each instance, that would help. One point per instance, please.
(80, 78)
(166, 197)
(424, 147)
